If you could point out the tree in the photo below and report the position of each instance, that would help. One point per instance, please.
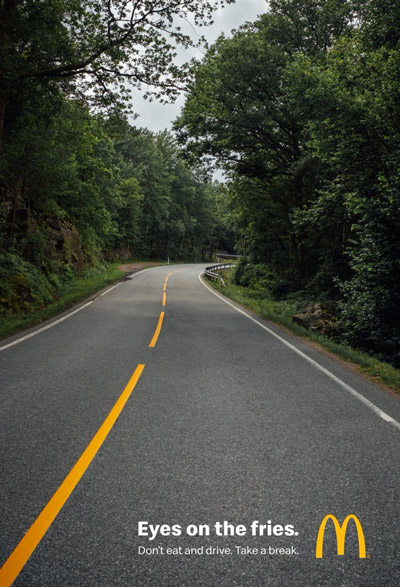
(247, 108)
(95, 46)
(302, 108)
(355, 133)
(176, 217)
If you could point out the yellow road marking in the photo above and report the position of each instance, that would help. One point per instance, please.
(164, 299)
(165, 286)
(157, 331)
(172, 272)
(18, 558)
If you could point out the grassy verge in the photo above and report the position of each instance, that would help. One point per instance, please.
(76, 290)
(281, 312)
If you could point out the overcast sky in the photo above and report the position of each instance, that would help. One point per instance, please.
(156, 116)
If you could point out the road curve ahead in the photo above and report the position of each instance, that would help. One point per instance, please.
(160, 437)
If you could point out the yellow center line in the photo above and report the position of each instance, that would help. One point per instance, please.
(164, 299)
(172, 272)
(165, 286)
(20, 555)
(157, 331)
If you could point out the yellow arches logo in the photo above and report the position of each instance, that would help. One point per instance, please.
(340, 535)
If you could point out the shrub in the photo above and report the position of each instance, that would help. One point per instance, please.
(22, 286)
(257, 276)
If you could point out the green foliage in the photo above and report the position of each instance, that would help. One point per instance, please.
(81, 188)
(47, 295)
(94, 47)
(22, 285)
(175, 213)
(255, 276)
(371, 298)
(302, 109)
(76, 188)
(246, 109)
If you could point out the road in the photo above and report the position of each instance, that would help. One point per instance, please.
(226, 419)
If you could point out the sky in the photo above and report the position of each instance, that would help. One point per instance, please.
(157, 117)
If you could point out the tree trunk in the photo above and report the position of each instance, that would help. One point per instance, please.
(3, 100)
(13, 214)
(8, 18)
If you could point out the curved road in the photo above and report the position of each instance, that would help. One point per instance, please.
(221, 419)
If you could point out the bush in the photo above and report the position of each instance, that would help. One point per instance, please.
(370, 300)
(285, 289)
(257, 276)
(22, 286)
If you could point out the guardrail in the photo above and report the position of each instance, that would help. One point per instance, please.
(211, 271)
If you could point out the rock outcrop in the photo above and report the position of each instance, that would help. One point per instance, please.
(319, 316)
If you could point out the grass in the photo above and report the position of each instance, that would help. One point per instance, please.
(76, 290)
(281, 312)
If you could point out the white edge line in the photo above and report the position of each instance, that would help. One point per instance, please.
(39, 330)
(6, 346)
(328, 373)
(107, 290)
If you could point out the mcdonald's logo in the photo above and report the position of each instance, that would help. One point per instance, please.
(340, 535)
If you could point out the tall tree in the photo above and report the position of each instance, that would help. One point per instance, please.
(245, 108)
(97, 44)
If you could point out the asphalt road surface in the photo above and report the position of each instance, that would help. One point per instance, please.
(241, 434)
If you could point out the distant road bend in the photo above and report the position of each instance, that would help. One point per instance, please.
(163, 403)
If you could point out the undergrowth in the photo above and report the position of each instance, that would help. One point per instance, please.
(44, 298)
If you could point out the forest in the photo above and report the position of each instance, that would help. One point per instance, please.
(301, 109)
(79, 183)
